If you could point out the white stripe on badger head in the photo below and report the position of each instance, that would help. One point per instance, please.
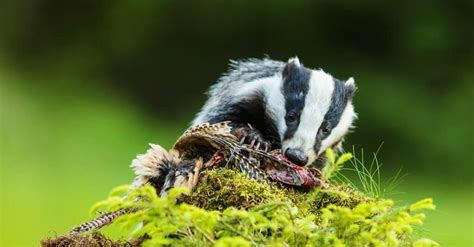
(317, 103)
(341, 128)
(271, 87)
(275, 103)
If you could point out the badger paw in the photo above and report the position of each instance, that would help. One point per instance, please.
(251, 136)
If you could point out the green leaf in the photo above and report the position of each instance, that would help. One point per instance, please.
(330, 155)
(343, 158)
(422, 204)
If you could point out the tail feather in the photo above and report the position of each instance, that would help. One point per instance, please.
(100, 221)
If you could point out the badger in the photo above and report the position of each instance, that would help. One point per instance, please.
(278, 105)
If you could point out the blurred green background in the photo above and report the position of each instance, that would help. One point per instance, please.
(86, 85)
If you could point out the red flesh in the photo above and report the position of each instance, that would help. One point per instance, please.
(291, 174)
(294, 175)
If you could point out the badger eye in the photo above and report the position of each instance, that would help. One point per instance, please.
(325, 128)
(291, 117)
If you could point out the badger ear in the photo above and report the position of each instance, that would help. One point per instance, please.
(350, 87)
(292, 66)
(295, 60)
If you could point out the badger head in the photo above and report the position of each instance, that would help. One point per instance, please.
(313, 111)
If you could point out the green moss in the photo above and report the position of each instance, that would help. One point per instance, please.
(229, 209)
(223, 188)
(339, 195)
(274, 222)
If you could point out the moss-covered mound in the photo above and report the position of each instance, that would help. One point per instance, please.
(224, 188)
(228, 209)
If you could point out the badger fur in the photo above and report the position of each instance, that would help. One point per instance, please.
(302, 111)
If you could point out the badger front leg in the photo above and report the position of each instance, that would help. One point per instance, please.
(250, 136)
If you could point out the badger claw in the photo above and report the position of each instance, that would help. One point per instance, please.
(254, 139)
(258, 145)
(246, 134)
(266, 146)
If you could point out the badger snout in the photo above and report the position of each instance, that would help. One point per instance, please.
(296, 156)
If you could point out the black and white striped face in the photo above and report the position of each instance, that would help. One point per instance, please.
(317, 111)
